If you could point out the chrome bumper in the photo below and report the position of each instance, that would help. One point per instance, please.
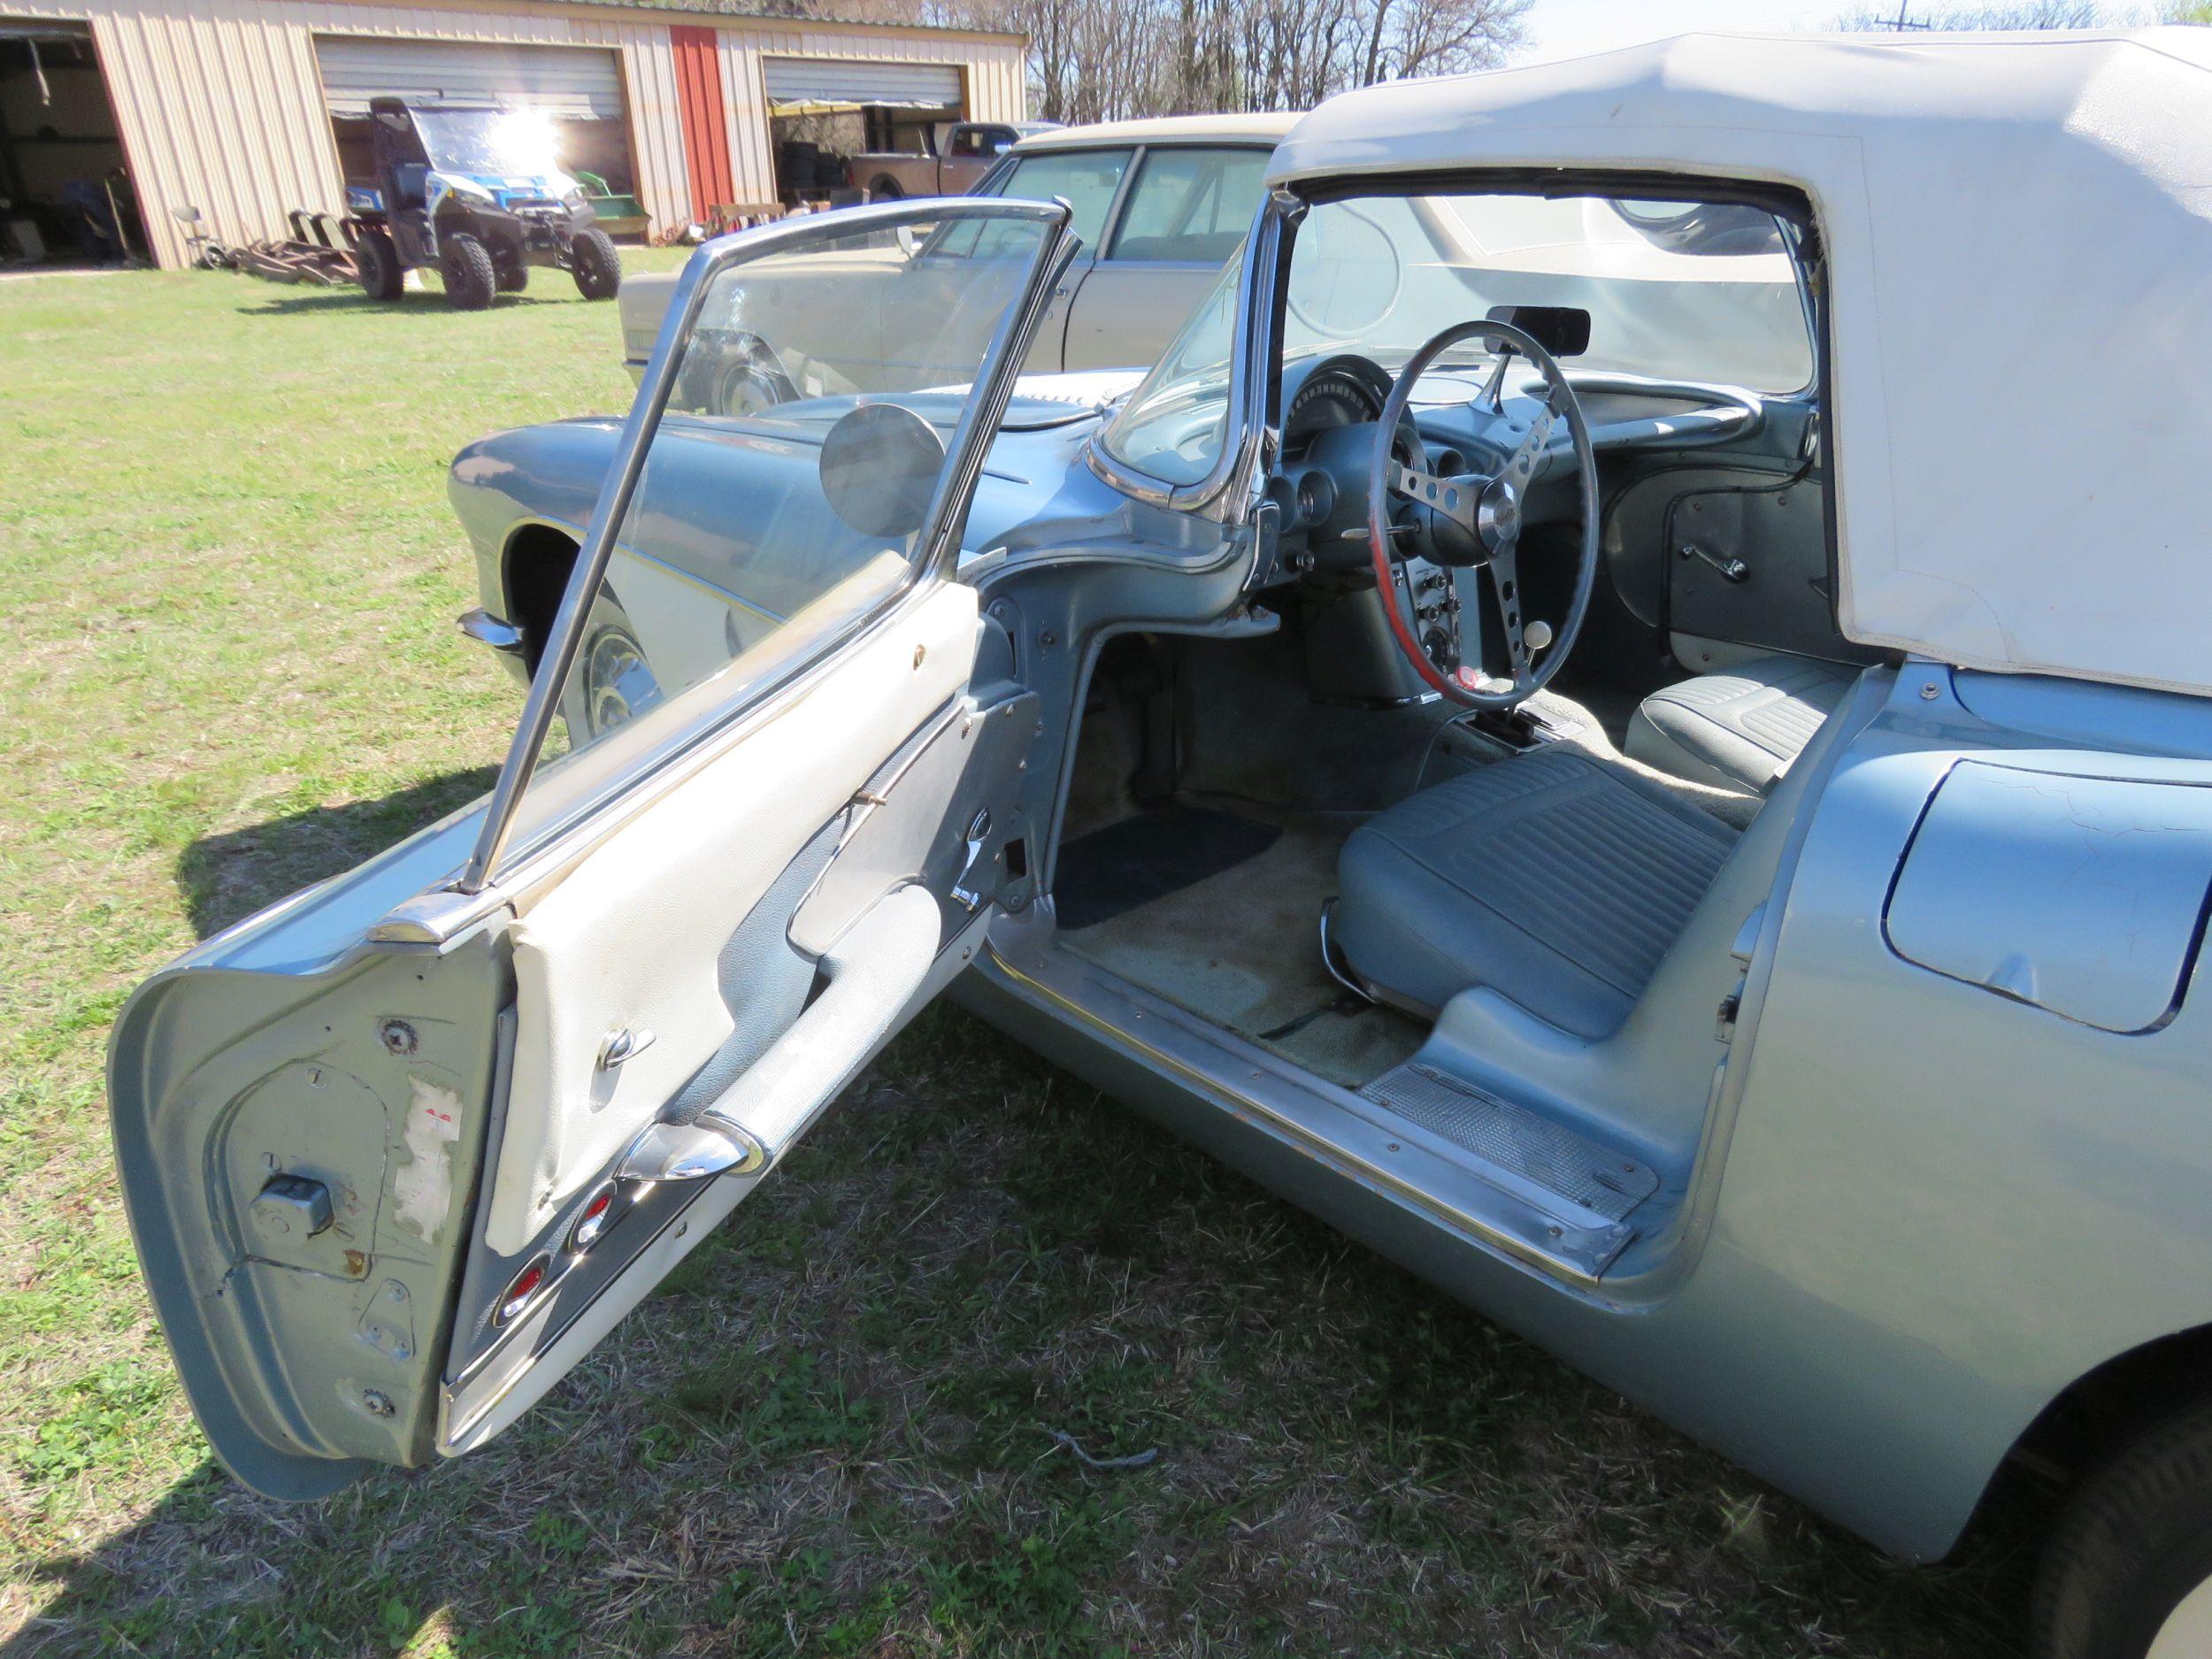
(486, 629)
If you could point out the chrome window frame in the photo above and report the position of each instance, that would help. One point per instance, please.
(1229, 491)
(936, 548)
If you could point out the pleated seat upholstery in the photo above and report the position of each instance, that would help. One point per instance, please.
(1554, 878)
(1740, 728)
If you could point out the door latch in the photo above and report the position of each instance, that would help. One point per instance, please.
(963, 889)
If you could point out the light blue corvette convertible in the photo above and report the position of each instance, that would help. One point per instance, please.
(1626, 716)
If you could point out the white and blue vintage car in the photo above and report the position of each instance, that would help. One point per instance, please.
(1626, 716)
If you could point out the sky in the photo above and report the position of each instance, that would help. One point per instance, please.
(1566, 28)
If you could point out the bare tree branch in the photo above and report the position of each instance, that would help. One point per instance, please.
(1094, 60)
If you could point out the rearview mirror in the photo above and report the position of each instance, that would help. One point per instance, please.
(1561, 330)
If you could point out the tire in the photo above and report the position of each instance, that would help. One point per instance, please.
(513, 276)
(595, 264)
(376, 262)
(885, 189)
(612, 683)
(466, 265)
(2127, 1574)
(738, 377)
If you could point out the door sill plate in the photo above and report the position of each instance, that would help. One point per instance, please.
(1366, 1140)
(1528, 1154)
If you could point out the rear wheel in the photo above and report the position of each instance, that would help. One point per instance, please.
(466, 265)
(596, 264)
(376, 262)
(885, 189)
(2128, 1571)
(612, 683)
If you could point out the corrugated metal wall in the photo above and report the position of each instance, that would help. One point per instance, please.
(220, 102)
(706, 119)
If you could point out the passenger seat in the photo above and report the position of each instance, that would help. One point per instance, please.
(1740, 728)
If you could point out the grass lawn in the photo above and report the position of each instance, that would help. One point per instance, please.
(230, 579)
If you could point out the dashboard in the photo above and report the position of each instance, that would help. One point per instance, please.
(1331, 405)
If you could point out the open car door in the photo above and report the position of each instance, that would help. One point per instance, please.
(400, 1150)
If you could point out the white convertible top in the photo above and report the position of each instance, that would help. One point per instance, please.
(2019, 234)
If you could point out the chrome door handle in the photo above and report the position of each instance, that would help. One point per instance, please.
(623, 1044)
(705, 1146)
(963, 893)
(874, 971)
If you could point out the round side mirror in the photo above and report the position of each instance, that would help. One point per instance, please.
(879, 466)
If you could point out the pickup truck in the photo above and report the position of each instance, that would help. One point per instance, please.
(962, 153)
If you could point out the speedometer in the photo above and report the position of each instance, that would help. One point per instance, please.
(1329, 400)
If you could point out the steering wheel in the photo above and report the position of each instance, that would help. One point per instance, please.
(1473, 520)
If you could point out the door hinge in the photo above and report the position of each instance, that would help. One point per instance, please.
(1724, 1021)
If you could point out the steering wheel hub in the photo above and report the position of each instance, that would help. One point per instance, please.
(1498, 516)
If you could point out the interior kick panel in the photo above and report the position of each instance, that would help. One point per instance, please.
(916, 820)
(1735, 554)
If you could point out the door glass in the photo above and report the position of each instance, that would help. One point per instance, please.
(789, 490)
(1087, 179)
(1192, 206)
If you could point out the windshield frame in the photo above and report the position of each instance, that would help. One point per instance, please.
(1254, 417)
(1253, 375)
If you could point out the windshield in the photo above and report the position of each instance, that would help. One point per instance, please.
(516, 141)
(1676, 290)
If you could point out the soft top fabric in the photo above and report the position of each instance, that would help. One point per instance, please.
(2019, 236)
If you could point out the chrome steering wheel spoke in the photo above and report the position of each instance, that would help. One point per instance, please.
(1503, 567)
(1455, 497)
(1522, 467)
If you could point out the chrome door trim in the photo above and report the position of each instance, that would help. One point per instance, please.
(651, 402)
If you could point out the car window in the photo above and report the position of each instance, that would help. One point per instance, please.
(1086, 178)
(814, 413)
(1192, 205)
(982, 141)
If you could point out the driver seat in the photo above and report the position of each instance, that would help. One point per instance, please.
(1554, 877)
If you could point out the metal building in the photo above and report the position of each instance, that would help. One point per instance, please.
(244, 108)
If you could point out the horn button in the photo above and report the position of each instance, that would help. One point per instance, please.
(1497, 516)
(1464, 538)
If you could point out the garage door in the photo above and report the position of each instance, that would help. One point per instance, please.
(577, 82)
(851, 80)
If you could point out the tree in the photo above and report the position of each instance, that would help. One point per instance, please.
(2021, 14)
(1093, 60)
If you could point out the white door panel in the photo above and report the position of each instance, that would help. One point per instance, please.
(632, 938)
